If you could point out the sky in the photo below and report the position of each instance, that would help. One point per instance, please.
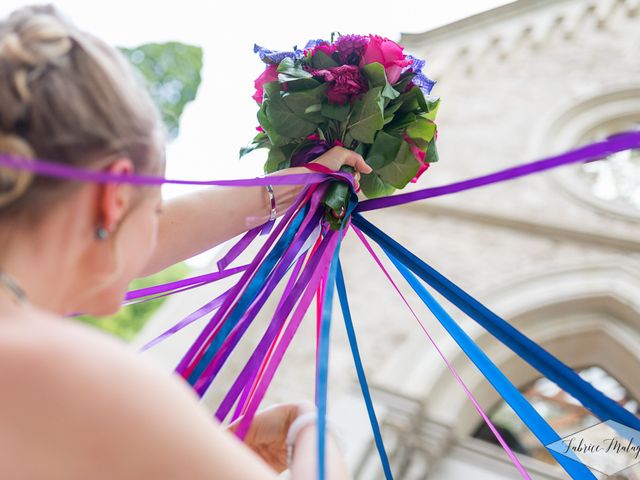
(223, 117)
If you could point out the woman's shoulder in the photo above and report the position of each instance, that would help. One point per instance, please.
(77, 400)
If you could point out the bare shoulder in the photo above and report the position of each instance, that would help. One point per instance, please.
(83, 405)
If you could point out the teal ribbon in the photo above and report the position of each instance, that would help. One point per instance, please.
(362, 379)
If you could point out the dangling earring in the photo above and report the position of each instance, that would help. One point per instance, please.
(101, 233)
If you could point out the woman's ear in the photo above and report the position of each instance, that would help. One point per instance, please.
(114, 199)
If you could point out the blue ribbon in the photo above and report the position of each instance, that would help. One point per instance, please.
(364, 387)
(323, 344)
(549, 366)
(540, 428)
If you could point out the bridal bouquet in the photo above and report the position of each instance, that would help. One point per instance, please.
(360, 92)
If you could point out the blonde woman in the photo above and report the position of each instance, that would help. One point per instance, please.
(76, 404)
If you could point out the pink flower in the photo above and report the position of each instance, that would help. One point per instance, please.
(270, 74)
(345, 83)
(324, 47)
(388, 53)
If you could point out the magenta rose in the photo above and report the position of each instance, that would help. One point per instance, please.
(388, 53)
(270, 74)
(345, 83)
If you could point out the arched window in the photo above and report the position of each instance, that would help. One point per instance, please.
(611, 185)
(563, 412)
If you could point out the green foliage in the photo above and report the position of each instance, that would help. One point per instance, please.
(130, 320)
(172, 72)
(367, 117)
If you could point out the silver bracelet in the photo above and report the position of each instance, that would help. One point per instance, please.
(272, 203)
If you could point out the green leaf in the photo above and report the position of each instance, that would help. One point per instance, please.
(288, 68)
(432, 152)
(299, 102)
(374, 72)
(392, 108)
(392, 160)
(279, 158)
(336, 112)
(403, 81)
(367, 117)
(433, 103)
(298, 84)
(421, 131)
(402, 169)
(400, 122)
(413, 101)
(287, 117)
(322, 61)
(373, 186)
(275, 138)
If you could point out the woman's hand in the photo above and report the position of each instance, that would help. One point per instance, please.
(333, 159)
(267, 435)
(339, 156)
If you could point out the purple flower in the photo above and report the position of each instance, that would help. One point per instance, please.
(350, 48)
(275, 57)
(420, 80)
(345, 83)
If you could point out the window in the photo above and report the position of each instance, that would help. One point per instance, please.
(563, 412)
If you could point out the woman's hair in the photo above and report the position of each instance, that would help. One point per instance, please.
(67, 97)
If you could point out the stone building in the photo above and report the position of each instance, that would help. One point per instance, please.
(556, 254)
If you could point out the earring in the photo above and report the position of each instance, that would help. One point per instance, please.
(102, 233)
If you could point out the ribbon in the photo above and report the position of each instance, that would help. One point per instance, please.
(58, 170)
(587, 153)
(449, 365)
(362, 379)
(310, 276)
(549, 366)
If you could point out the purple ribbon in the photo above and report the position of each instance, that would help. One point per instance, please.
(179, 284)
(305, 229)
(59, 170)
(588, 153)
(188, 320)
(236, 289)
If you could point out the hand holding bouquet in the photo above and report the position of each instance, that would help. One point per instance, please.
(360, 92)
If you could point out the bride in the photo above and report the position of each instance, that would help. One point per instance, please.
(74, 403)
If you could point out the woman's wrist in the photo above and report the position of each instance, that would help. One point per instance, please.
(285, 195)
(301, 425)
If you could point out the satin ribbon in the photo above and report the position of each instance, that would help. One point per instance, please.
(362, 379)
(260, 288)
(244, 301)
(587, 153)
(446, 361)
(66, 172)
(266, 288)
(187, 360)
(198, 281)
(188, 320)
(310, 277)
(520, 405)
(549, 366)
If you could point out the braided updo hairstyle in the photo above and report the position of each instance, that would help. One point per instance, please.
(66, 96)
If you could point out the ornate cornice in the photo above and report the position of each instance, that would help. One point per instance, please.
(506, 29)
